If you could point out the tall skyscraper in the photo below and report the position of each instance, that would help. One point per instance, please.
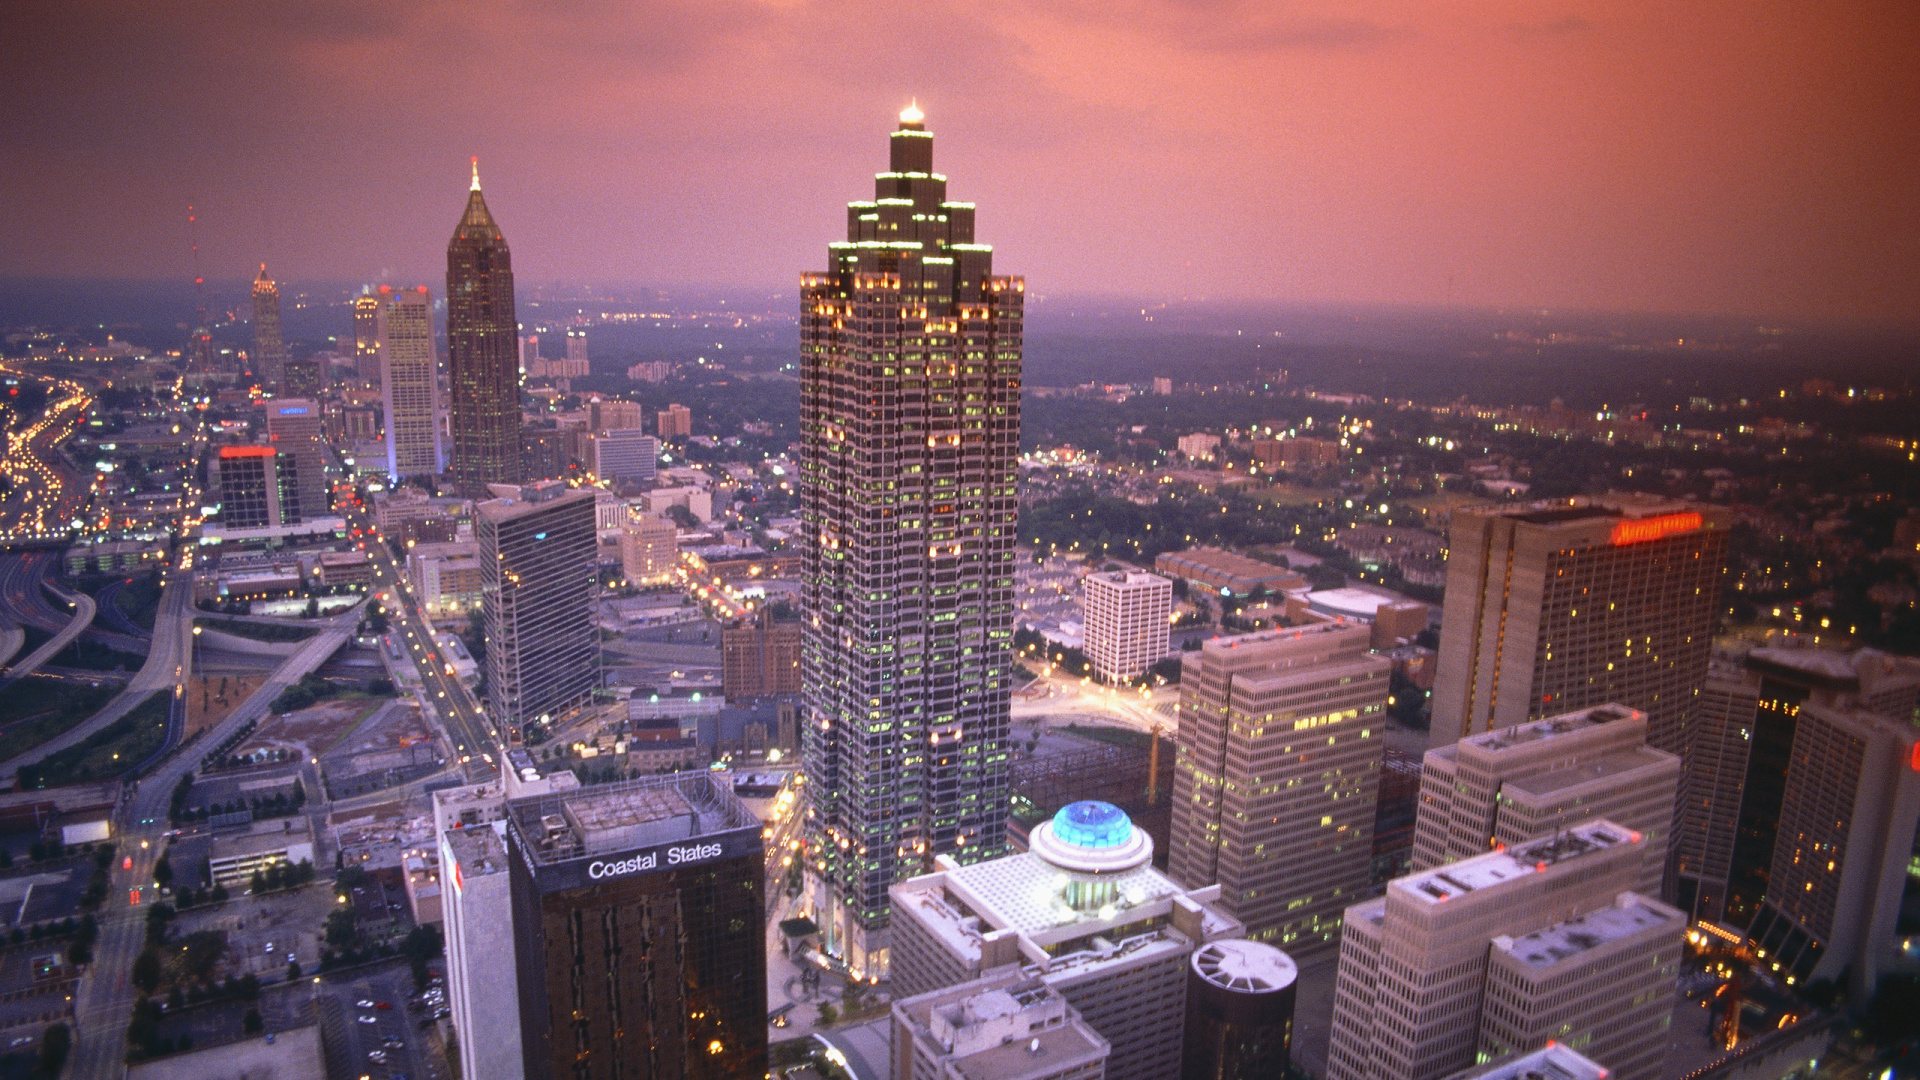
(1553, 610)
(295, 428)
(483, 352)
(403, 332)
(1499, 953)
(910, 353)
(537, 553)
(269, 350)
(1800, 813)
(366, 336)
(639, 931)
(1276, 776)
(1744, 751)
(1508, 786)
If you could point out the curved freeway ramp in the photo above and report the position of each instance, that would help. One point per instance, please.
(83, 612)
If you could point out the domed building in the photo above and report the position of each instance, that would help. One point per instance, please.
(1083, 911)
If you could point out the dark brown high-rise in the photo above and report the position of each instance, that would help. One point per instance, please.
(483, 352)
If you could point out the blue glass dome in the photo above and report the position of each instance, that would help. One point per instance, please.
(1090, 824)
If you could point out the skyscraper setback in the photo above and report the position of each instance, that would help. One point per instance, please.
(910, 353)
(483, 352)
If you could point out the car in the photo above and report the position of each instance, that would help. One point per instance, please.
(366, 1019)
(393, 1044)
(269, 948)
(290, 958)
(383, 1006)
(378, 1057)
(363, 1003)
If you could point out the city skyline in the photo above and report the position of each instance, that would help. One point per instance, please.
(1591, 156)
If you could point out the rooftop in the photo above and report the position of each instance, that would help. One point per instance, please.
(1485, 871)
(608, 817)
(1562, 941)
(1550, 728)
(1608, 767)
(477, 852)
(1551, 1063)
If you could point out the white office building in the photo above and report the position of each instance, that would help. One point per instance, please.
(1127, 618)
(1084, 912)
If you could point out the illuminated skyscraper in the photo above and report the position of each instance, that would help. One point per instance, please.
(1277, 777)
(366, 336)
(536, 590)
(269, 350)
(403, 332)
(910, 356)
(483, 352)
(1578, 605)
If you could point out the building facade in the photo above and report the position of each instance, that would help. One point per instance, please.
(649, 549)
(673, 422)
(910, 416)
(254, 486)
(366, 336)
(1239, 1012)
(1084, 912)
(409, 383)
(624, 458)
(483, 361)
(1127, 622)
(1276, 777)
(297, 428)
(760, 657)
(482, 989)
(1508, 786)
(639, 931)
(1553, 610)
(269, 356)
(1454, 965)
(537, 566)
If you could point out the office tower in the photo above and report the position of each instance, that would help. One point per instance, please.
(543, 452)
(1553, 1062)
(1127, 627)
(254, 487)
(577, 351)
(1082, 910)
(674, 422)
(624, 458)
(1508, 786)
(295, 428)
(537, 561)
(1239, 1012)
(1843, 850)
(366, 336)
(403, 333)
(482, 990)
(649, 549)
(529, 353)
(910, 416)
(1578, 605)
(1005, 1025)
(1744, 753)
(760, 657)
(650, 371)
(605, 414)
(1274, 781)
(1541, 940)
(639, 931)
(269, 351)
(483, 355)
(303, 376)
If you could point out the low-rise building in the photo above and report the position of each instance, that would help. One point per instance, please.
(235, 857)
(1004, 1025)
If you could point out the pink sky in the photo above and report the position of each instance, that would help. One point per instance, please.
(1751, 157)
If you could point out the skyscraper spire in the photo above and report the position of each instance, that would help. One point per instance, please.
(483, 352)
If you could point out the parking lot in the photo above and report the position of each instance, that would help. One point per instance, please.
(395, 1042)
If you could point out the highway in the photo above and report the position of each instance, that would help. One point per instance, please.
(104, 1001)
(467, 727)
(83, 612)
(45, 498)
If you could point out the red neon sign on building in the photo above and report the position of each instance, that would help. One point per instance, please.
(1641, 530)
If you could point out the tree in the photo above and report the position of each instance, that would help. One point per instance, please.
(828, 1014)
(55, 1045)
(146, 971)
(163, 872)
(342, 929)
(252, 1022)
(293, 970)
